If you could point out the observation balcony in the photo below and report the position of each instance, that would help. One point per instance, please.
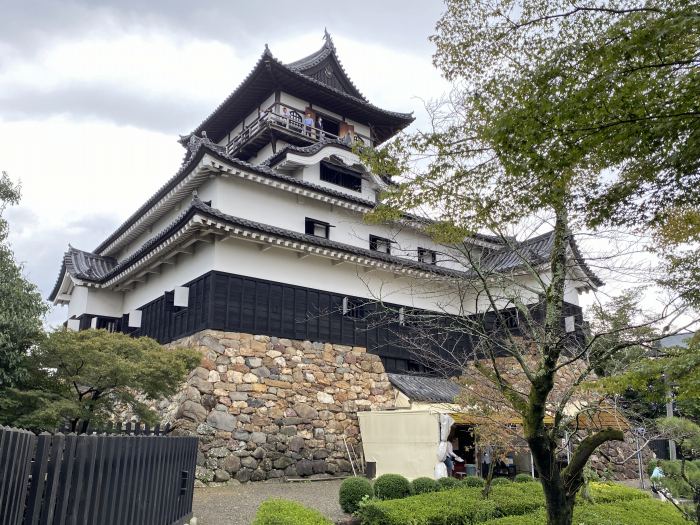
(283, 122)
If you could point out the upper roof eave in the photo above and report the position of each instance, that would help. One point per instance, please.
(276, 75)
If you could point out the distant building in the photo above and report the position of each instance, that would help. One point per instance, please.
(256, 252)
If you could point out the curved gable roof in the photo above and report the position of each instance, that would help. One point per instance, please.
(302, 78)
(325, 66)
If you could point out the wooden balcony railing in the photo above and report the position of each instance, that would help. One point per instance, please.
(290, 121)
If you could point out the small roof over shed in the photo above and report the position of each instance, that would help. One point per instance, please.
(424, 388)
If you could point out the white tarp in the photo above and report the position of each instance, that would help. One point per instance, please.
(446, 423)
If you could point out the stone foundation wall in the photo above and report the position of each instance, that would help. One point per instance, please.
(265, 407)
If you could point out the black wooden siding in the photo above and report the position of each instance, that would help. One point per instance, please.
(234, 303)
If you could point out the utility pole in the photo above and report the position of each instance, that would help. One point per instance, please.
(669, 413)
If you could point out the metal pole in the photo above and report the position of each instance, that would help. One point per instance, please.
(639, 462)
(669, 413)
(532, 465)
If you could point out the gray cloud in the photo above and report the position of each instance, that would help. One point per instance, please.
(40, 248)
(27, 25)
(30, 26)
(82, 101)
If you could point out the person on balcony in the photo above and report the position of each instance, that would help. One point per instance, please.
(319, 127)
(308, 125)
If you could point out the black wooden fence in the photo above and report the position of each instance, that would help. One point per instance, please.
(95, 479)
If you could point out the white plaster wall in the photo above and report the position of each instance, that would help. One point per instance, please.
(78, 301)
(186, 268)
(280, 208)
(282, 265)
(104, 302)
(292, 101)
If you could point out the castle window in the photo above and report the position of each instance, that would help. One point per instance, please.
(380, 244)
(511, 319)
(427, 256)
(317, 228)
(341, 177)
(353, 308)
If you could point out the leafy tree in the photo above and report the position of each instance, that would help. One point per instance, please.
(21, 306)
(674, 371)
(619, 320)
(91, 376)
(683, 475)
(602, 88)
(563, 115)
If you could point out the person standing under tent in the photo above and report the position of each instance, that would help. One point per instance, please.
(486, 461)
(451, 458)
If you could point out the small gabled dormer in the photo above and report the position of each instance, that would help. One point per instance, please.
(330, 164)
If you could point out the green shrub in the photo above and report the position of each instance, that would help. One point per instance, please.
(472, 481)
(612, 492)
(672, 479)
(352, 490)
(523, 478)
(423, 485)
(632, 512)
(522, 502)
(500, 481)
(392, 486)
(454, 507)
(284, 512)
(448, 483)
(458, 506)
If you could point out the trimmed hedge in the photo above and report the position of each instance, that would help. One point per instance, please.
(612, 492)
(500, 481)
(392, 486)
(424, 485)
(448, 483)
(454, 507)
(465, 506)
(351, 492)
(644, 511)
(473, 481)
(523, 478)
(285, 512)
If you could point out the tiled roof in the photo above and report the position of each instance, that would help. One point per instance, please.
(312, 149)
(427, 389)
(103, 273)
(326, 53)
(83, 265)
(535, 251)
(197, 147)
(95, 268)
(268, 62)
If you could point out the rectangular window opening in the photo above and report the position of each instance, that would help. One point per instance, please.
(340, 177)
(427, 256)
(353, 308)
(317, 228)
(380, 244)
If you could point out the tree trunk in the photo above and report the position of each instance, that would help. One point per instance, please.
(560, 506)
(559, 502)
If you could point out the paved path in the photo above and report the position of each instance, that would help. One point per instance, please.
(236, 504)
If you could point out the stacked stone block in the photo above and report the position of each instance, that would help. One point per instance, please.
(265, 407)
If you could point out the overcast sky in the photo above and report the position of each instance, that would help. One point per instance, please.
(93, 95)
